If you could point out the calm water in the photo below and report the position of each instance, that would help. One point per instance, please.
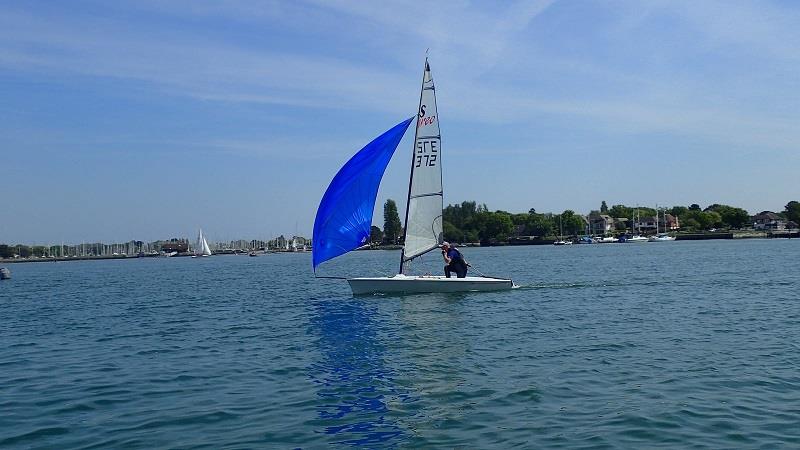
(680, 345)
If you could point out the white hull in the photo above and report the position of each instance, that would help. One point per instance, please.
(636, 239)
(606, 240)
(402, 284)
(661, 239)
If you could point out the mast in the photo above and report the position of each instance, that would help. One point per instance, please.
(411, 175)
(657, 217)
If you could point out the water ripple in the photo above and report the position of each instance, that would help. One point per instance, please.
(686, 345)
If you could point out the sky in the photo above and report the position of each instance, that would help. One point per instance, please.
(148, 119)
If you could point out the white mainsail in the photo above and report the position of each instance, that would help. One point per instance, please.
(202, 248)
(423, 231)
(206, 248)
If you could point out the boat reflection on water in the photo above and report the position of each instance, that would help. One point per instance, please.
(354, 385)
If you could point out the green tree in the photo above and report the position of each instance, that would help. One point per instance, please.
(645, 212)
(701, 220)
(391, 222)
(730, 217)
(678, 211)
(375, 235)
(689, 223)
(792, 211)
(452, 233)
(573, 223)
(604, 207)
(620, 211)
(694, 207)
(540, 225)
(497, 226)
(459, 214)
(714, 219)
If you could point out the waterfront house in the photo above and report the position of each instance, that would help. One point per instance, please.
(585, 222)
(646, 224)
(600, 223)
(668, 222)
(768, 220)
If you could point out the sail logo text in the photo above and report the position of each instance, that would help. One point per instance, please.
(423, 121)
(427, 153)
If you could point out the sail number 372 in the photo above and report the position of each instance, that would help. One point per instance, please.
(427, 153)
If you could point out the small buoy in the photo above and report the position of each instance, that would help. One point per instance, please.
(5, 274)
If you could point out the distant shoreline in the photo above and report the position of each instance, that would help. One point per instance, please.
(124, 257)
(511, 243)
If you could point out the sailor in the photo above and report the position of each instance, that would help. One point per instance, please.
(454, 260)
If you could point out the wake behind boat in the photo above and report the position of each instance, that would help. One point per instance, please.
(344, 216)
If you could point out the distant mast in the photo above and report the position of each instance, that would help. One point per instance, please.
(422, 231)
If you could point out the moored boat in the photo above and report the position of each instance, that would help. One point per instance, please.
(605, 239)
(661, 238)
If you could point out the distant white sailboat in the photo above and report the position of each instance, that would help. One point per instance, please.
(344, 216)
(561, 240)
(605, 239)
(661, 237)
(201, 248)
(637, 238)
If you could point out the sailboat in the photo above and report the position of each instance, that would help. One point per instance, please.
(661, 237)
(561, 240)
(201, 248)
(344, 216)
(637, 238)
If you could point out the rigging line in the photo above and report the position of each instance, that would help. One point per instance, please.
(484, 275)
(476, 270)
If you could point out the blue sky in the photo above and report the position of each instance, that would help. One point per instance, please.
(145, 119)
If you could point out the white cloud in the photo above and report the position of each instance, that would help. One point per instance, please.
(468, 43)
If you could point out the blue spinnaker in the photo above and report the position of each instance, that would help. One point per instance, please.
(344, 216)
